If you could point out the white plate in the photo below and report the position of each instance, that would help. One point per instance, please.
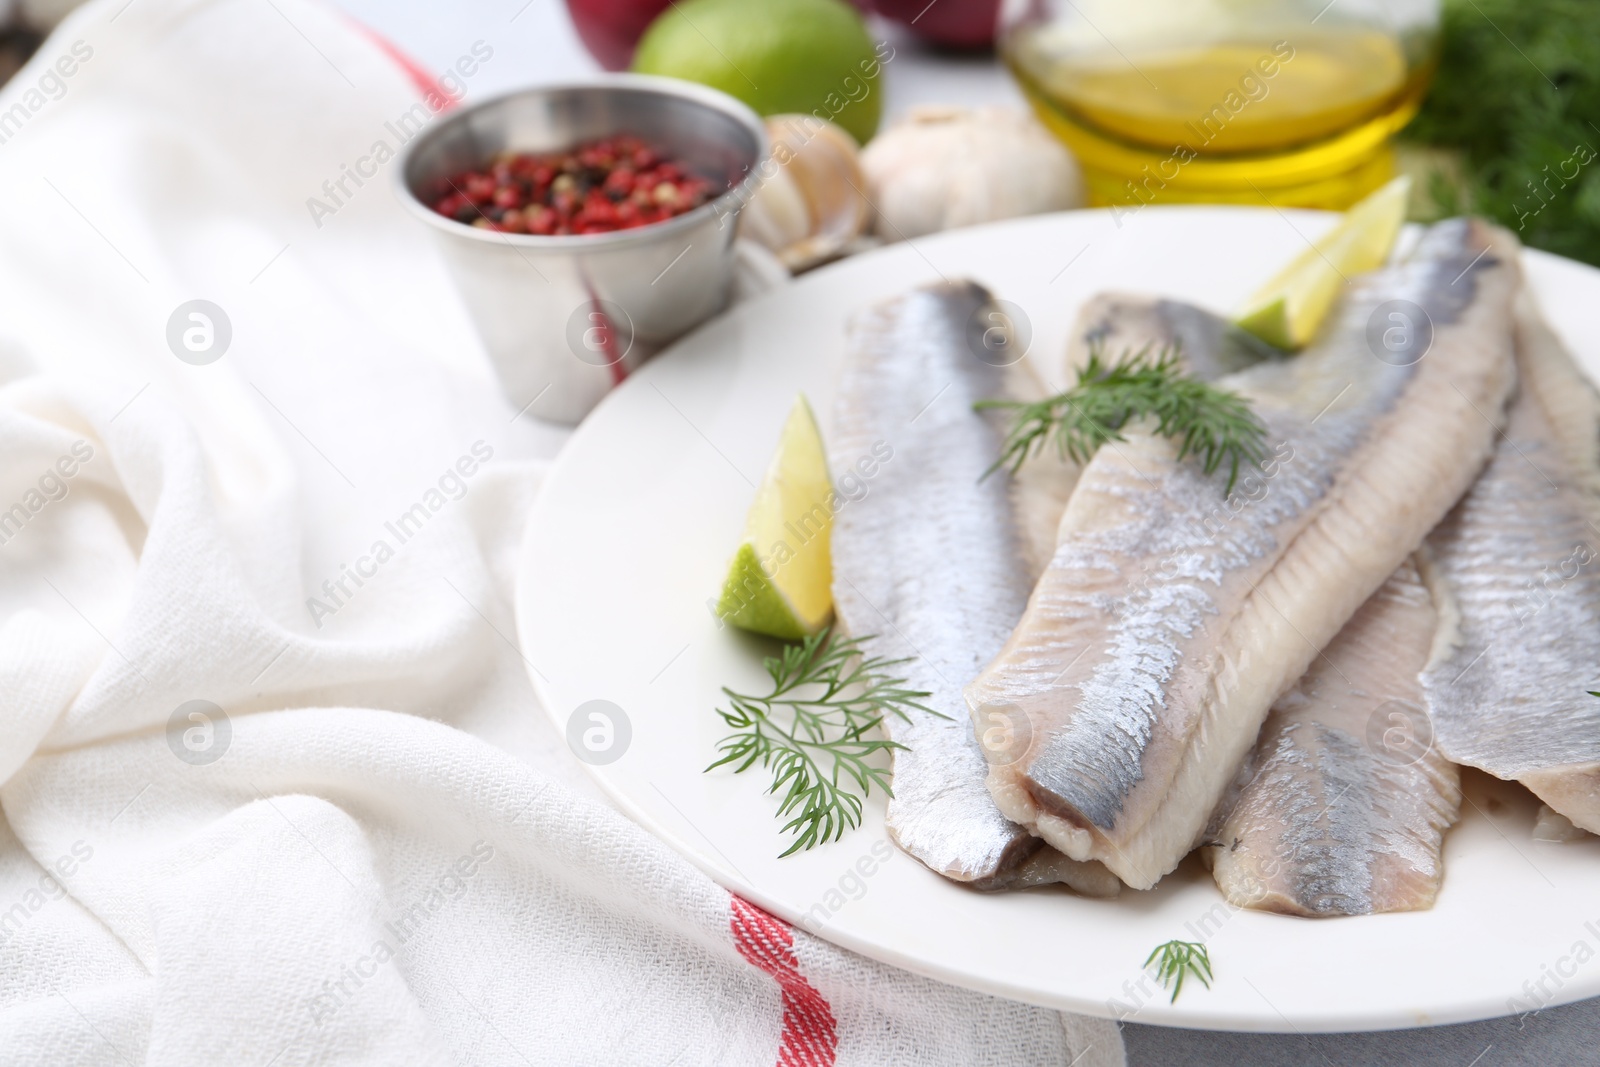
(629, 542)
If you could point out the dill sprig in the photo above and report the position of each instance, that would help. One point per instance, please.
(833, 698)
(1177, 959)
(1211, 423)
(1516, 98)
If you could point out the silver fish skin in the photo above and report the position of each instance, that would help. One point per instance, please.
(1518, 563)
(931, 560)
(1119, 326)
(1170, 619)
(1349, 803)
(896, 551)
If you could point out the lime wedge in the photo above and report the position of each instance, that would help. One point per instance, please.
(1287, 310)
(780, 581)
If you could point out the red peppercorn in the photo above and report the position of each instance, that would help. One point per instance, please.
(450, 203)
(619, 182)
(477, 187)
(613, 183)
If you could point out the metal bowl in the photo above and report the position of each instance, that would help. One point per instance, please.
(565, 318)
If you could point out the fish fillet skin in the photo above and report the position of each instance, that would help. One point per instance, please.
(1347, 810)
(1122, 323)
(1119, 325)
(1170, 618)
(937, 561)
(1518, 561)
(930, 563)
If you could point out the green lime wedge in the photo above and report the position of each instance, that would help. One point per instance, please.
(781, 579)
(1288, 310)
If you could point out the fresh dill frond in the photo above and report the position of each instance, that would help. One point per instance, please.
(817, 732)
(1208, 422)
(1175, 960)
(1516, 102)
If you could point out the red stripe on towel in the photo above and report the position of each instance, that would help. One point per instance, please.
(425, 83)
(810, 1034)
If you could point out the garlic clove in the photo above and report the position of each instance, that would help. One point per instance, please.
(778, 215)
(943, 167)
(811, 207)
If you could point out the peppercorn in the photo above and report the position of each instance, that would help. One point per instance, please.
(613, 183)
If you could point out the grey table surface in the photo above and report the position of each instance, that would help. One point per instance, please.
(534, 42)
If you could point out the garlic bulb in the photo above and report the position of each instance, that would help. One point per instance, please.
(943, 167)
(809, 204)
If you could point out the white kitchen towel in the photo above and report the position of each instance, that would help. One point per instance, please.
(276, 790)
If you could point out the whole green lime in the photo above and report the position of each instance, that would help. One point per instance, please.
(778, 56)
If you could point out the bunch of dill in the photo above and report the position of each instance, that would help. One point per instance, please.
(1518, 96)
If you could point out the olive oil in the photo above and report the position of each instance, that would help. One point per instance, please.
(1302, 119)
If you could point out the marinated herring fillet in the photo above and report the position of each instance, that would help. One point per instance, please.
(1516, 562)
(907, 557)
(1122, 326)
(1169, 619)
(932, 559)
(1346, 811)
